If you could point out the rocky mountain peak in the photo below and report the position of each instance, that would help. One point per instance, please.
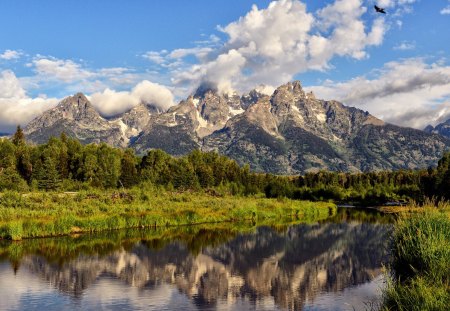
(288, 94)
(441, 129)
(251, 98)
(76, 107)
(76, 117)
(293, 88)
(204, 88)
(288, 132)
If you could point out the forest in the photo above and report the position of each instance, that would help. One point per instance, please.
(64, 164)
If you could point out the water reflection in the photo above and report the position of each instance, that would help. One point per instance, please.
(191, 268)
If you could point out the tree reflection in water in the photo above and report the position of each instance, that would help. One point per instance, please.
(289, 265)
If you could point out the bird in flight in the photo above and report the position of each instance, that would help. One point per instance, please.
(379, 10)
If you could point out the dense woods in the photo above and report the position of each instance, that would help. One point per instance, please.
(65, 164)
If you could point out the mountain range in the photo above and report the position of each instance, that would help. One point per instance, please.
(441, 129)
(288, 132)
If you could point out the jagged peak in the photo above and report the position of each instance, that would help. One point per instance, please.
(78, 99)
(204, 88)
(295, 88)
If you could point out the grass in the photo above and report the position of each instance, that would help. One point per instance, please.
(42, 214)
(420, 261)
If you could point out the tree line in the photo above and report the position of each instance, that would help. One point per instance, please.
(65, 164)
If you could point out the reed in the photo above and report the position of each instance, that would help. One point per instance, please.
(420, 268)
(40, 214)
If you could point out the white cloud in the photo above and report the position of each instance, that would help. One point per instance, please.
(111, 102)
(405, 46)
(409, 93)
(59, 69)
(10, 54)
(199, 52)
(446, 10)
(15, 106)
(70, 76)
(269, 46)
(156, 57)
(392, 3)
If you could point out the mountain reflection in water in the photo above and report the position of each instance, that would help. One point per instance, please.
(201, 267)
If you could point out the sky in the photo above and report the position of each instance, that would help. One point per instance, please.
(119, 53)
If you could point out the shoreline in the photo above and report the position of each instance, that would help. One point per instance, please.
(44, 214)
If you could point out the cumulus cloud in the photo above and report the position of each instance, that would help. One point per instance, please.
(15, 106)
(269, 46)
(10, 54)
(409, 93)
(110, 102)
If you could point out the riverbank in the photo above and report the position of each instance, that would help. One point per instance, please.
(420, 267)
(41, 214)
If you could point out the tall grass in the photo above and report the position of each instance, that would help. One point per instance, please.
(420, 262)
(50, 213)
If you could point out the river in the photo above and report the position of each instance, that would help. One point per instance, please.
(332, 265)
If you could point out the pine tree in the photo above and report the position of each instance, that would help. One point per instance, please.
(48, 176)
(18, 137)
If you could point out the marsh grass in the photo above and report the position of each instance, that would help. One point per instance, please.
(421, 261)
(42, 214)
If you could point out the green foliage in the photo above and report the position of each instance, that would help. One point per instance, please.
(14, 230)
(11, 180)
(18, 137)
(64, 164)
(422, 246)
(420, 263)
(52, 213)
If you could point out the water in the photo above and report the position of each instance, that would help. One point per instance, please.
(332, 265)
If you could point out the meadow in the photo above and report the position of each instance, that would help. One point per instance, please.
(42, 214)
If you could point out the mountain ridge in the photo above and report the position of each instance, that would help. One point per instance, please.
(441, 129)
(288, 132)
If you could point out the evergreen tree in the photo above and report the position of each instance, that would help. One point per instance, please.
(128, 172)
(47, 175)
(18, 137)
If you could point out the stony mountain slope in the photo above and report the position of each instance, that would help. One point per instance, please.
(292, 132)
(183, 127)
(289, 132)
(75, 116)
(441, 129)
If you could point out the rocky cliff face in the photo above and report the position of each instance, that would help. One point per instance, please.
(76, 117)
(182, 128)
(293, 132)
(289, 132)
(441, 129)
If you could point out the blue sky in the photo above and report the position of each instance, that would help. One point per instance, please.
(396, 66)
